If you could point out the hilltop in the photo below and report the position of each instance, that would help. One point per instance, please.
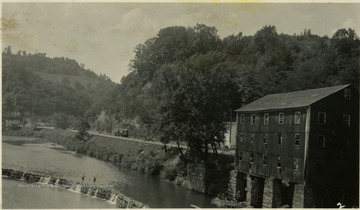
(43, 89)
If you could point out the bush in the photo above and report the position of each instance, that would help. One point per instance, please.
(153, 166)
(222, 202)
(169, 173)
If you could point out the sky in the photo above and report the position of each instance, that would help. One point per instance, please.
(103, 36)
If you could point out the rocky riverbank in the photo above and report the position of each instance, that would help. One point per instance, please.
(117, 198)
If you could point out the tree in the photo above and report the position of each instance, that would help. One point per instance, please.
(346, 44)
(266, 38)
(194, 98)
(83, 127)
(205, 38)
(61, 121)
(7, 50)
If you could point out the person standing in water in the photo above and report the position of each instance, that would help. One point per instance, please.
(94, 179)
(83, 178)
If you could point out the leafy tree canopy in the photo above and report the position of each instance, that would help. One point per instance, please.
(183, 82)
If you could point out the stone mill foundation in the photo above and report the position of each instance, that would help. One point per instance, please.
(262, 192)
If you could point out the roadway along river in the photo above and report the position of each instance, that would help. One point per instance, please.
(33, 155)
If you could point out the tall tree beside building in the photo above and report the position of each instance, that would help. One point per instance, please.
(193, 97)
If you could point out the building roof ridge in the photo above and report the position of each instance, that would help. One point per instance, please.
(295, 99)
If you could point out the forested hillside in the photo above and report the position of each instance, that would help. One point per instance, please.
(53, 90)
(184, 82)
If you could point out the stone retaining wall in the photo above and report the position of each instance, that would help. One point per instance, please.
(196, 176)
(121, 200)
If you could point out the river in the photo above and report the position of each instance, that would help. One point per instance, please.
(37, 156)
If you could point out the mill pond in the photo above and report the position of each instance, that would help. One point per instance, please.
(36, 156)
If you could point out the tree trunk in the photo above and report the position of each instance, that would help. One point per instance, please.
(214, 148)
(206, 153)
(180, 150)
(165, 147)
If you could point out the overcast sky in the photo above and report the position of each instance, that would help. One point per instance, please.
(103, 35)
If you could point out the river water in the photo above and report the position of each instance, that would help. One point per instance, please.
(35, 155)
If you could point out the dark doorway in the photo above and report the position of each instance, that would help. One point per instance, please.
(257, 191)
(287, 194)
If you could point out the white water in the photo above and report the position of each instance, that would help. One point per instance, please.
(57, 182)
(78, 188)
(114, 201)
(89, 191)
(95, 194)
(113, 198)
(22, 176)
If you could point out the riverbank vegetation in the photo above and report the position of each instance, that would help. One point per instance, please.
(144, 157)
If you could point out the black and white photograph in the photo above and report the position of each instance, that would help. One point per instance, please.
(180, 104)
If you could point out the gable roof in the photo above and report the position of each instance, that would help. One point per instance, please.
(295, 99)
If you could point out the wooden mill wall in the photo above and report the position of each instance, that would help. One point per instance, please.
(287, 150)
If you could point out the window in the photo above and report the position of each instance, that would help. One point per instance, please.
(264, 160)
(240, 156)
(252, 138)
(266, 119)
(241, 137)
(296, 164)
(346, 120)
(321, 141)
(347, 94)
(321, 118)
(253, 118)
(278, 162)
(280, 138)
(281, 118)
(242, 119)
(265, 138)
(297, 139)
(297, 118)
(252, 158)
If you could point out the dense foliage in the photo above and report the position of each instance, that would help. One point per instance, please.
(183, 83)
(82, 126)
(52, 90)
